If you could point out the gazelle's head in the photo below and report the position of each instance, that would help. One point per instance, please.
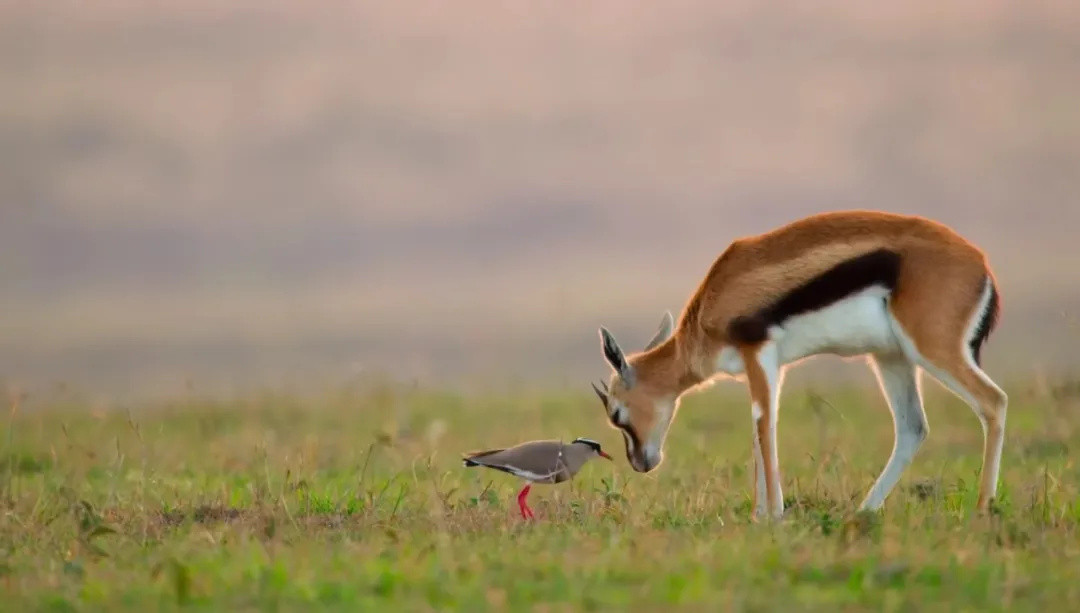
(637, 399)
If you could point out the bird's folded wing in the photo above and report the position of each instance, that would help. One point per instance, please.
(526, 474)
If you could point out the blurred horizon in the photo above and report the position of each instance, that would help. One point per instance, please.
(246, 196)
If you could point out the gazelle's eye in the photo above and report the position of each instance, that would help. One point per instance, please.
(617, 416)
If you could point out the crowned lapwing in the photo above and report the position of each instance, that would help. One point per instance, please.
(547, 462)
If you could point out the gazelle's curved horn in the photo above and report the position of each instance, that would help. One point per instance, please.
(600, 394)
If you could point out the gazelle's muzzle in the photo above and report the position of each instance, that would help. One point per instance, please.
(641, 459)
(645, 464)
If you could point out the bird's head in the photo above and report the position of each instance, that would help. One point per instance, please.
(591, 444)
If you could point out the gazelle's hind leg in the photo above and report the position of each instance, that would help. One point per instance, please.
(961, 376)
(934, 344)
(898, 380)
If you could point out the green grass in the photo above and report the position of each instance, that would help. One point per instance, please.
(358, 501)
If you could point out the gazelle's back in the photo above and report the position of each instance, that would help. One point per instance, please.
(814, 262)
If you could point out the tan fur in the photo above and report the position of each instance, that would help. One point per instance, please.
(955, 286)
(759, 395)
(757, 269)
(939, 286)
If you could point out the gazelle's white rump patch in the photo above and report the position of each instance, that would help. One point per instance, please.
(972, 329)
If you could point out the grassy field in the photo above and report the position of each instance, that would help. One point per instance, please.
(357, 500)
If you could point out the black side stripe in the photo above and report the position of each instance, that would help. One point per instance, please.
(878, 267)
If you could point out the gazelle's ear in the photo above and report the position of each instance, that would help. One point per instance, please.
(667, 325)
(614, 356)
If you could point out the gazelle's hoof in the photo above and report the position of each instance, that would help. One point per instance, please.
(763, 516)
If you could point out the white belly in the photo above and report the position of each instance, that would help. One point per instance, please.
(856, 325)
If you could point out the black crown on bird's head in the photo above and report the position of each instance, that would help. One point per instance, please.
(587, 441)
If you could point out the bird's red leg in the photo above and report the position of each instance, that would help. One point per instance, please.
(526, 512)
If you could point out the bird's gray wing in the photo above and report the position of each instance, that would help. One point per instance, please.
(537, 461)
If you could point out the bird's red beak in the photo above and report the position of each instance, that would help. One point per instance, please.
(603, 454)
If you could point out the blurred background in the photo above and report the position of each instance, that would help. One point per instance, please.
(232, 195)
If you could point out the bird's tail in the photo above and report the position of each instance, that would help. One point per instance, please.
(468, 460)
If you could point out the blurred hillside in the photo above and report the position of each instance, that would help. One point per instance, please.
(248, 196)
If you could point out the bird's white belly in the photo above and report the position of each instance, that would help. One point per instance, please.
(853, 326)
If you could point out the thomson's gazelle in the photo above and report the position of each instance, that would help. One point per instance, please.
(907, 292)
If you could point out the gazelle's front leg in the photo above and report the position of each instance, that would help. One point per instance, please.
(763, 377)
(760, 492)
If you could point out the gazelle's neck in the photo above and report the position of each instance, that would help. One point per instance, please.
(669, 367)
